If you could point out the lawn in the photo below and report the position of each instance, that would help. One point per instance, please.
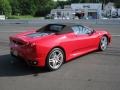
(22, 17)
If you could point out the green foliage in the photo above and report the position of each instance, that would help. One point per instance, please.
(62, 3)
(91, 1)
(27, 7)
(20, 17)
(5, 7)
(40, 7)
(15, 7)
(44, 7)
(74, 1)
(117, 4)
(84, 1)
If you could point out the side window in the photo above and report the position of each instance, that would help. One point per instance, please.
(76, 30)
(86, 30)
(79, 30)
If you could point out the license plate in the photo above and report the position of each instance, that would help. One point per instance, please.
(15, 53)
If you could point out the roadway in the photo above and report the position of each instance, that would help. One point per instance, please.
(94, 71)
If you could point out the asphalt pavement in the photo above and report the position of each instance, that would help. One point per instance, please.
(94, 71)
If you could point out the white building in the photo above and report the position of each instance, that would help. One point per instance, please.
(66, 13)
(119, 12)
(81, 10)
(88, 10)
(110, 10)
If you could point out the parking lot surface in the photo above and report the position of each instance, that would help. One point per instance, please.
(94, 71)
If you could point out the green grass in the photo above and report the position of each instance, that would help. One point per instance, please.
(22, 17)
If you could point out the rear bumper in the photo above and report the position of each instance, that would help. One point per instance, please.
(28, 57)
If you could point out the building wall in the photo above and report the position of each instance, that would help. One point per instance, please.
(110, 10)
(89, 10)
(62, 13)
(119, 12)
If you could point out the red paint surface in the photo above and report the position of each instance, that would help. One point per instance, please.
(39, 47)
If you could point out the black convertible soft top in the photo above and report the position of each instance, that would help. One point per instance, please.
(59, 28)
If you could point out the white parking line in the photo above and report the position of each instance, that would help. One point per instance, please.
(4, 48)
(3, 51)
(116, 35)
(6, 41)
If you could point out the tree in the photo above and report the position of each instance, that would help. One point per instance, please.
(27, 7)
(44, 7)
(5, 7)
(117, 4)
(61, 4)
(15, 7)
(84, 1)
(75, 1)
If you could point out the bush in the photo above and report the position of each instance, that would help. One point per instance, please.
(20, 17)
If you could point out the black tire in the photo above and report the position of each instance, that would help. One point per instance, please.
(11, 53)
(55, 59)
(103, 43)
(17, 57)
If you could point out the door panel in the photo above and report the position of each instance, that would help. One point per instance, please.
(77, 44)
(87, 41)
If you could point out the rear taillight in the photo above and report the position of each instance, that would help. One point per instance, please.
(17, 42)
(31, 47)
(32, 44)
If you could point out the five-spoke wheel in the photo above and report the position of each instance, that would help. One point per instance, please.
(103, 43)
(55, 59)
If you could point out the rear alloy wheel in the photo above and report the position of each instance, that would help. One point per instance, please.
(55, 59)
(103, 43)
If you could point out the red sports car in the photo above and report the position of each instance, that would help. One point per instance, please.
(54, 44)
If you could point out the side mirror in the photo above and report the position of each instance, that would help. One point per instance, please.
(91, 32)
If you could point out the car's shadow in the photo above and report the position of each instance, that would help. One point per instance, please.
(10, 66)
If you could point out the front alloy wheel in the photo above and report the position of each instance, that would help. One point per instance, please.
(55, 59)
(103, 43)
